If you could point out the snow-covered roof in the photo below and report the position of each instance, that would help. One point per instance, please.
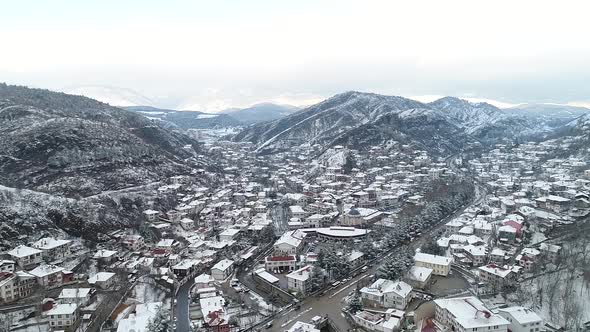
(266, 276)
(302, 274)
(342, 232)
(302, 327)
(204, 278)
(230, 232)
(63, 309)
(74, 293)
(383, 286)
(165, 243)
(432, 259)
(23, 251)
(354, 255)
(419, 273)
(495, 270)
(521, 314)
(549, 247)
(470, 312)
(45, 270)
(49, 243)
(292, 238)
(100, 276)
(211, 304)
(104, 253)
(223, 265)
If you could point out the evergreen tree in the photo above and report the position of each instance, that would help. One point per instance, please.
(355, 303)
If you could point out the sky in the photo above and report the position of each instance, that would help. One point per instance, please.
(211, 55)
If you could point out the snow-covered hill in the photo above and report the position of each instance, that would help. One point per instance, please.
(347, 117)
(76, 146)
(186, 119)
(552, 115)
(261, 112)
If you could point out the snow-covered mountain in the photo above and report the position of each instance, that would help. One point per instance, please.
(185, 119)
(76, 146)
(488, 123)
(113, 96)
(347, 117)
(553, 115)
(261, 112)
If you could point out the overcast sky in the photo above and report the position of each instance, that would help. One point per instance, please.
(217, 54)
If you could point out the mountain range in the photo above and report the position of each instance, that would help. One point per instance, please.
(444, 126)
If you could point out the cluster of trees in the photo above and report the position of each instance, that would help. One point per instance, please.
(334, 261)
(431, 247)
(449, 197)
(396, 267)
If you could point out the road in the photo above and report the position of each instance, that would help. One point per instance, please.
(182, 306)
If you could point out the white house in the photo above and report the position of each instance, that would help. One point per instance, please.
(289, 243)
(467, 314)
(522, 319)
(203, 281)
(440, 265)
(387, 293)
(419, 276)
(229, 234)
(63, 316)
(222, 269)
(26, 257)
(49, 275)
(299, 280)
(53, 248)
(79, 296)
(103, 280)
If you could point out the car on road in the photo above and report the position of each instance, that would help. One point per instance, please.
(268, 325)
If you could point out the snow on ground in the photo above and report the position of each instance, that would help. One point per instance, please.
(538, 237)
(560, 294)
(265, 307)
(147, 290)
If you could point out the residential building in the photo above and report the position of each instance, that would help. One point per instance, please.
(300, 280)
(467, 314)
(440, 265)
(26, 257)
(496, 275)
(387, 294)
(51, 275)
(103, 280)
(522, 319)
(53, 248)
(223, 269)
(63, 317)
(79, 296)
